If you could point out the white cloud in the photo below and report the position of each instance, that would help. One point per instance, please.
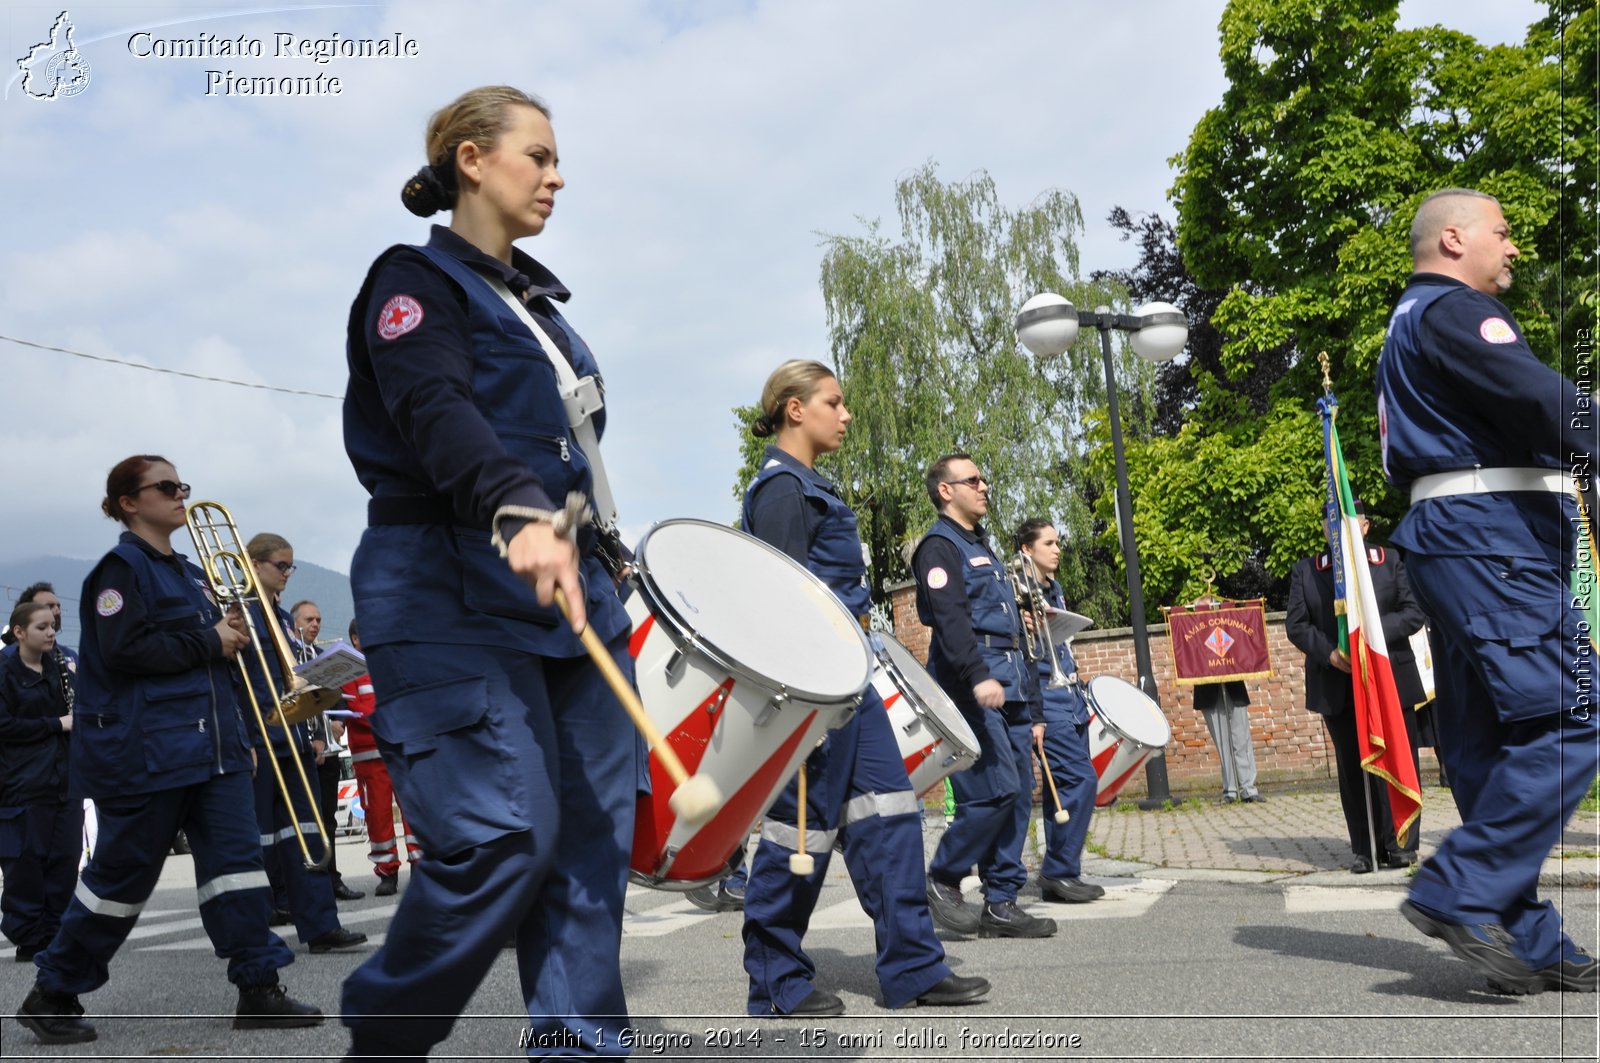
(705, 146)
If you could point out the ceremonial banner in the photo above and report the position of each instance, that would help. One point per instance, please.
(1380, 727)
(1216, 644)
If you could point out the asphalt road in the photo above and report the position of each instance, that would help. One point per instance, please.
(1213, 965)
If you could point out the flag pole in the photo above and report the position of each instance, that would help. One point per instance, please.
(1330, 413)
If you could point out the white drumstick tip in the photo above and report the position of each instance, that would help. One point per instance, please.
(802, 864)
(696, 799)
(1063, 816)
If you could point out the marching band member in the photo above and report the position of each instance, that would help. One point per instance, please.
(160, 744)
(39, 858)
(966, 598)
(377, 791)
(285, 814)
(858, 791)
(517, 765)
(1491, 444)
(1066, 737)
(326, 733)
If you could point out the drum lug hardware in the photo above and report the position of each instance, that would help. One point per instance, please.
(717, 701)
(680, 657)
(772, 708)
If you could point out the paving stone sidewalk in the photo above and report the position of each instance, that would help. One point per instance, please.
(1291, 834)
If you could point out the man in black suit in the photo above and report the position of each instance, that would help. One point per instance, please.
(1330, 691)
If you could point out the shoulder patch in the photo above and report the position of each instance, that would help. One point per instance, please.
(937, 578)
(1497, 330)
(399, 316)
(1324, 562)
(109, 603)
(1375, 554)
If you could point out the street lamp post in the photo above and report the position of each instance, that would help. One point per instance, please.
(1047, 325)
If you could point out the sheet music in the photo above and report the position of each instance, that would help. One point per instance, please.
(335, 666)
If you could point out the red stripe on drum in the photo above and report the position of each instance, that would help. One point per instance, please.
(640, 633)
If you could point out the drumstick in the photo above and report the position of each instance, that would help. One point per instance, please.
(693, 799)
(1062, 815)
(801, 863)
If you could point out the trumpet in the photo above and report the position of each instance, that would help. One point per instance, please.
(1036, 644)
(232, 579)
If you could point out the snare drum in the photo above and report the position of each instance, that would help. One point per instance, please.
(934, 740)
(1126, 727)
(743, 659)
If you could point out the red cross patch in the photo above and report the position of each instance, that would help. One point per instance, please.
(399, 316)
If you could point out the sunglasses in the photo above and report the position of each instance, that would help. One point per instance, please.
(167, 487)
(971, 481)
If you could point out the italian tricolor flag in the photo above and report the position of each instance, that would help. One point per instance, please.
(1380, 723)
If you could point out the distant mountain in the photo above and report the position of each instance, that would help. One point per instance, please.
(329, 589)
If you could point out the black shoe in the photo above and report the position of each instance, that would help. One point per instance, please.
(949, 910)
(704, 898)
(55, 1018)
(1070, 890)
(1580, 974)
(337, 938)
(1006, 920)
(730, 896)
(388, 886)
(818, 1004)
(1253, 799)
(180, 844)
(1399, 859)
(268, 1006)
(1362, 866)
(341, 892)
(1486, 946)
(26, 953)
(279, 917)
(954, 989)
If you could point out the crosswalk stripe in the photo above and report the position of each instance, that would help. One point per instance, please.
(1338, 899)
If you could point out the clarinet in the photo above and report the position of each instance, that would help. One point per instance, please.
(68, 692)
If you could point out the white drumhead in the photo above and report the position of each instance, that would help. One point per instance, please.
(1129, 711)
(909, 671)
(753, 608)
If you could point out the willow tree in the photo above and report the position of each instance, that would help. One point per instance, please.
(921, 336)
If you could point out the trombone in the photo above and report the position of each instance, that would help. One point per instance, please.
(1036, 644)
(232, 579)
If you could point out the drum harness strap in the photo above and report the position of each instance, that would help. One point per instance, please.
(582, 401)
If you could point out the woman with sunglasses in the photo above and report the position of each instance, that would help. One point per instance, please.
(159, 744)
(517, 764)
(40, 859)
(858, 790)
(305, 894)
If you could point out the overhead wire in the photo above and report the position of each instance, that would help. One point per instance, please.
(168, 372)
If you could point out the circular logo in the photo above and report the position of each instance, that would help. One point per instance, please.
(109, 603)
(67, 73)
(399, 316)
(1497, 330)
(937, 578)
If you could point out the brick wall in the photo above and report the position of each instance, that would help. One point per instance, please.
(1291, 743)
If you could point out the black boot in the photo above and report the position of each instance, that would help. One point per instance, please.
(263, 1007)
(55, 1018)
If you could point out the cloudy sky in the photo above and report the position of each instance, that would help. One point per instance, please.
(705, 145)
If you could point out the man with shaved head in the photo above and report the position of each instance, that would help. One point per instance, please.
(1494, 448)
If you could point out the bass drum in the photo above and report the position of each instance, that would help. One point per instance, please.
(743, 660)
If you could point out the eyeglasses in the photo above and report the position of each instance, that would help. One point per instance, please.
(971, 481)
(166, 487)
(285, 567)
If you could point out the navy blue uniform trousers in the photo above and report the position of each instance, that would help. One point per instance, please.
(994, 798)
(857, 792)
(520, 773)
(39, 850)
(135, 834)
(1066, 745)
(1516, 781)
(309, 894)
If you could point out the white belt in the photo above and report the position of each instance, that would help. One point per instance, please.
(1482, 481)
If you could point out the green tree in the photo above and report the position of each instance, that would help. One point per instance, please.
(921, 337)
(1295, 197)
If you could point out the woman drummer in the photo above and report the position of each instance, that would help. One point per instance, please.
(40, 860)
(858, 791)
(1065, 744)
(519, 768)
(160, 745)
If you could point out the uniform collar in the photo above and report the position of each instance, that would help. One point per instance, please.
(128, 537)
(524, 275)
(1434, 278)
(777, 454)
(975, 535)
